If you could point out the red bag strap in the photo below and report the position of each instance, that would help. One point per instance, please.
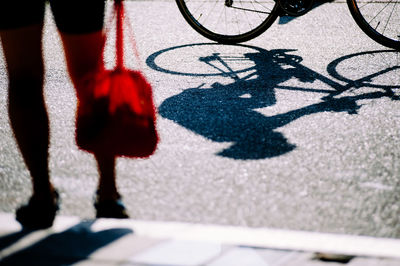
(119, 44)
(122, 20)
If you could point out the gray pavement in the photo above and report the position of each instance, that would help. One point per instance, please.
(300, 133)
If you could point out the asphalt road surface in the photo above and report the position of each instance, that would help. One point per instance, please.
(297, 129)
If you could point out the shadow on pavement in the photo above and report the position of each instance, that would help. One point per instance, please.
(227, 113)
(64, 248)
(285, 19)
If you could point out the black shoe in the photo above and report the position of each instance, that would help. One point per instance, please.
(38, 214)
(110, 209)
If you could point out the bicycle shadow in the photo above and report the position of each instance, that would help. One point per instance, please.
(227, 113)
(285, 18)
(64, 248)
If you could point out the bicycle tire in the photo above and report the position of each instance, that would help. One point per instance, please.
(229, 21)
(378, 19)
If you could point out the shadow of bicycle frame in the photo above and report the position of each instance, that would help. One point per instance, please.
(226, 113)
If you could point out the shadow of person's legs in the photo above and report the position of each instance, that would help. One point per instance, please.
(64, 248)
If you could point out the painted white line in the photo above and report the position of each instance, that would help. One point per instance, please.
(263, 237)
(241, 236)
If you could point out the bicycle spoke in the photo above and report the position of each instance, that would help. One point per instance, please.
(259, 3)
(387, 23)
(373, 18)
(229, 20)
(379, 19)
(250, 10)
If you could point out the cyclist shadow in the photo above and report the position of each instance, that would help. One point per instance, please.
(227, 113)
(64, 248)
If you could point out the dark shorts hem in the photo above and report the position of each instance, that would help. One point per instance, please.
(70, 16)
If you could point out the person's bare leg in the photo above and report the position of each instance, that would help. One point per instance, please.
(84, 56)
(29, 120)
(83, 53)
(108, 202)
(107, 189)
(28, 116)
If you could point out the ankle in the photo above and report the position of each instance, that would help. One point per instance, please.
(44, 194)
(107, 195)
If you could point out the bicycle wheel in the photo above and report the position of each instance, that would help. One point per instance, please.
(229, 21)
(379, 19)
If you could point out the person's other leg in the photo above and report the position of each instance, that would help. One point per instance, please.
(21, 37)
(28, 116)
(83, 40)
(108, 202)
(29, 119)
(83, 53)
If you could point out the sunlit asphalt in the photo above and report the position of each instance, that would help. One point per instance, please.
(298, 134)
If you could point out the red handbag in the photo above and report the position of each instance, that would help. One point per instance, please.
(116, 113)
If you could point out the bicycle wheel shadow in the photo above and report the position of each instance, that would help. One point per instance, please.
(65, 248)
(227, 113)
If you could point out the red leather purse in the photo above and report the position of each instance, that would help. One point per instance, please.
(116, 113)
